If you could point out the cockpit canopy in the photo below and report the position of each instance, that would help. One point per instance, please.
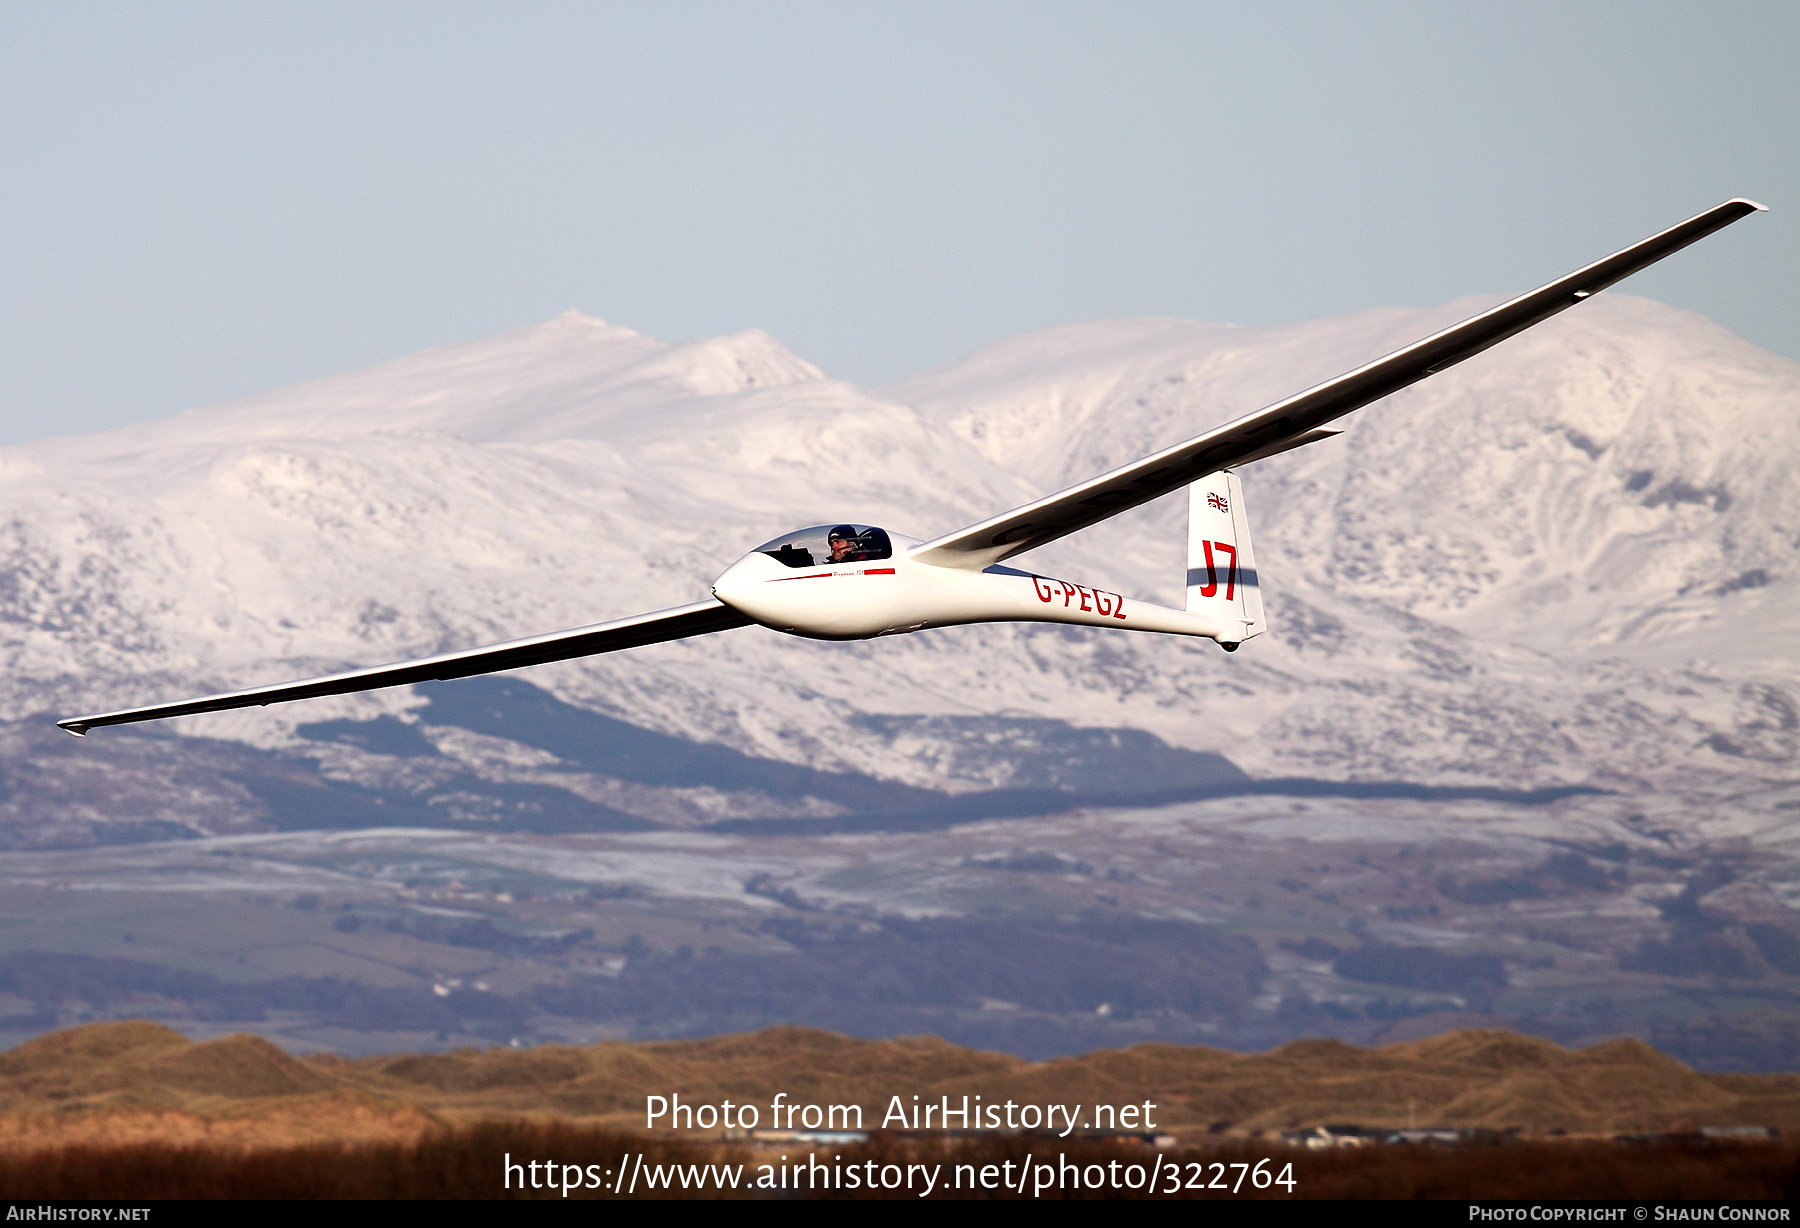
(829, 543)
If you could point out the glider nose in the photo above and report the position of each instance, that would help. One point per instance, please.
(723, 587)
(752, 586)
(737, 582)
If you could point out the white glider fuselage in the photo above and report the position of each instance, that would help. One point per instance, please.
(890, 595)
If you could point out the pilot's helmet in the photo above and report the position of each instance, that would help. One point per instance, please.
(843, 533)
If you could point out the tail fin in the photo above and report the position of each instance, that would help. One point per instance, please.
(1221, 575)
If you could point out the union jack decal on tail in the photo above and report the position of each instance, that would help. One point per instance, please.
(1217, 501)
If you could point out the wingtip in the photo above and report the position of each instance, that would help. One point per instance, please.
(73, 726)
(1744, 200)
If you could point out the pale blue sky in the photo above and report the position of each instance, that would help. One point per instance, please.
(204, 201)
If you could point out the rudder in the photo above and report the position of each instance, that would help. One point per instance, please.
(1221, 570)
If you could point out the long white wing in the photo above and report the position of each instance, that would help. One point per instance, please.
(1298, 419)
(701, 618)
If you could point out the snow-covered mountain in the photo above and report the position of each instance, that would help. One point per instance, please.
(1572, 560)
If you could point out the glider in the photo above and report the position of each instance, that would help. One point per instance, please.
(852, 581)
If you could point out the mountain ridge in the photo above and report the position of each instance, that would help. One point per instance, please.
(187, 555)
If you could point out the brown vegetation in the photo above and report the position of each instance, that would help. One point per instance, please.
(118, 1083)
(466, 1162)
(463, 1162)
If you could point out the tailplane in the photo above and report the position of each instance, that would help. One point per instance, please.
(1221, 569)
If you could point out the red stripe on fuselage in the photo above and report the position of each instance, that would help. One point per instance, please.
(825, 575)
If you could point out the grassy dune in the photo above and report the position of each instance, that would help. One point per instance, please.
(137, 1110)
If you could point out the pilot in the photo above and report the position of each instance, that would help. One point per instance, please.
(846, 546)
